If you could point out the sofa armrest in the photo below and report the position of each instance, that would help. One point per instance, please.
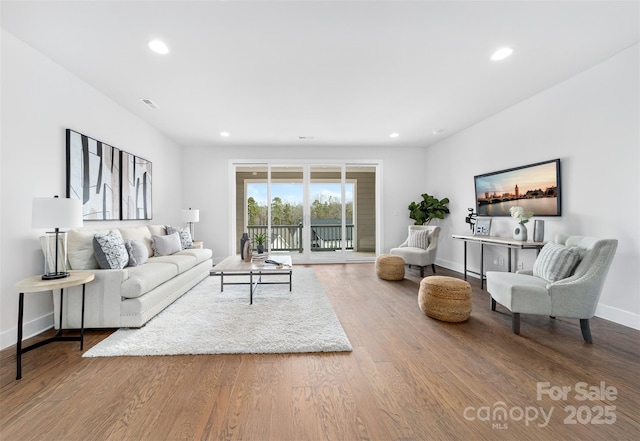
(102, 301)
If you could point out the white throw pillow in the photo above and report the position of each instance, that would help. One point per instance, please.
(556, 262)
(166, 245)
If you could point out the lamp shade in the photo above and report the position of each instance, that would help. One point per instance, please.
(190, 215)
(56, 213)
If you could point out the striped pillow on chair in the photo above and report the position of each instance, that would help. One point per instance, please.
(556, 262)
(419, 239)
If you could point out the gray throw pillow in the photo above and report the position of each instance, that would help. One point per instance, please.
(166, 245)
(138, 252)
(110, 251)
(185, 236)
(556, 262)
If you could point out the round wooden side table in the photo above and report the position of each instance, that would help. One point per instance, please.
(37, 284)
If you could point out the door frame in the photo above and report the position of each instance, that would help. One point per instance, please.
(306, 164)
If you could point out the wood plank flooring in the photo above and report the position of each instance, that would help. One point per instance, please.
(409, 377)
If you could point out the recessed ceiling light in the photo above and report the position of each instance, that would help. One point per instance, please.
(394, 135)
(501, 53)
(438, 132)
(159, 47)
(225, 134)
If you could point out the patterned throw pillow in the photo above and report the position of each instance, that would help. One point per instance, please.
(138, 252)
(110, 251)
(185, 236)
(556, 262)
(419, 239)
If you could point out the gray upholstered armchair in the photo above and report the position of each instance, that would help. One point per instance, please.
(420, 248)
(566, 281)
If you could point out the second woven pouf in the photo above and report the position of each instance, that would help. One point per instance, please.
(445, 298)
(390, 267)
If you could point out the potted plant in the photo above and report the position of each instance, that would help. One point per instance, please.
(260, 239)
(427, 209)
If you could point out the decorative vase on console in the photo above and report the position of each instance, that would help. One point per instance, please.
(243, 240)
(520, 231)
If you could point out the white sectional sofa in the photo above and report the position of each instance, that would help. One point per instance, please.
(131, 296)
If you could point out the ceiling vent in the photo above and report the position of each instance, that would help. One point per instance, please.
(149, 103)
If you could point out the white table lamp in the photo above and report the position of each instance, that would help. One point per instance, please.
(191, 216)
(56, 213)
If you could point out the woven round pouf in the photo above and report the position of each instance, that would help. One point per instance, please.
(445, 298)
(390, 267)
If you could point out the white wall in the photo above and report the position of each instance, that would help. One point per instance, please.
(592, 123)
(206, 182)
(40, 100)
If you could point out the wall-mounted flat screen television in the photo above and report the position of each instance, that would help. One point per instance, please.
(534, 187)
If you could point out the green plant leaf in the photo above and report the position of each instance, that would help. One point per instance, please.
(427, 209)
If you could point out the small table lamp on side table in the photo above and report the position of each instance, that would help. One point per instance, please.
(191, 216)
(56, 213)
(37, 284)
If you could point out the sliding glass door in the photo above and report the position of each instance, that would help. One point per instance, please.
(314, 212)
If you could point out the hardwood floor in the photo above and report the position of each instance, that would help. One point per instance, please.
(408, 377)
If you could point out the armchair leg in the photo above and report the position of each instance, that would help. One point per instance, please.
(433, 267)
(422, 271)
(586, 330)
(515, 323)
(492, 303)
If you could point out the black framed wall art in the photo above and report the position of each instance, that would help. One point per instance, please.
(93, 176)
(534, 187)
(136, 184)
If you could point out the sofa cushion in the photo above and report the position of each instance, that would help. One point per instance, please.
(185, 236)
(110, 251)
(556, 262)
(138, 253)
(166, 245)
(158, 230)
(80, 249)
(141, 234)
(182, 261)
(142, 279)
(201, 254)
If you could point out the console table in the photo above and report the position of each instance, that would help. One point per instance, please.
(36, 284)
(511, 244)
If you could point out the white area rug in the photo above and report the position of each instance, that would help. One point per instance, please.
(206, 321)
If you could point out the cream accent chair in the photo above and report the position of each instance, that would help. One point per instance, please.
(575, 296)
(420, 257)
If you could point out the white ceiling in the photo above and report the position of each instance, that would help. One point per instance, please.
(343, 72)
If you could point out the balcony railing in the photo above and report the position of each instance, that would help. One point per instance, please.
(289, 237)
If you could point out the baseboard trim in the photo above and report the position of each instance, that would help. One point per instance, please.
(453, 266)
(618, 316)
(29, 329)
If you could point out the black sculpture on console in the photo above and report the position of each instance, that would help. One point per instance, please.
(471, 218)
